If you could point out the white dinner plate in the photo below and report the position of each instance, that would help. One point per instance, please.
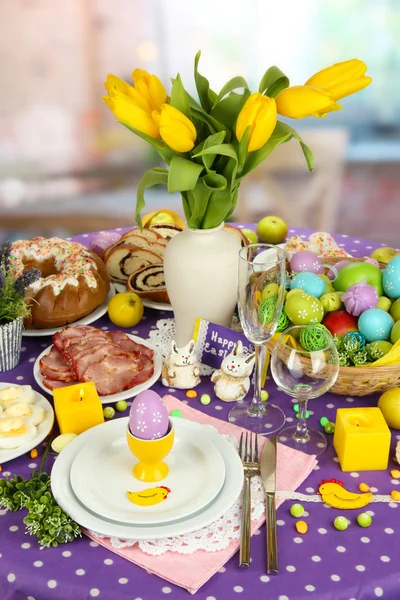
(120, 287)
(126, 394)
(43, 429)
(63, 493)
(96, 314)
(101, 475)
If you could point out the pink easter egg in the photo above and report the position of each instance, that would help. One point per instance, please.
(360, 297)
(340, 264)
(305, 260)
(372, 261)
(148, 417)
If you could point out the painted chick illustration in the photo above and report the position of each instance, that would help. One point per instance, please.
(150, 496)
(334, 494)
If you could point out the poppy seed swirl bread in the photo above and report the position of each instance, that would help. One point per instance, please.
(74, 281)
(149, 282)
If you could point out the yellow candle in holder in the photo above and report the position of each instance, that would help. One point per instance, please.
(361, 439)
(77, 407)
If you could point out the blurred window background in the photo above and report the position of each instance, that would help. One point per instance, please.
(66, 166)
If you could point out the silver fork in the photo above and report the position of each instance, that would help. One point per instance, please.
(248, 452)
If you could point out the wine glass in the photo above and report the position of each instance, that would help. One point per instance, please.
(304, 374)
(261, 287)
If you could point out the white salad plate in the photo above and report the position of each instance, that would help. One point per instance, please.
(42, 430)
(120, 287)
(101, 475)
(96, 314)
(64, 495)
(126, 394)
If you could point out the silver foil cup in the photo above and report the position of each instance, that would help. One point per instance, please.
(10, 344)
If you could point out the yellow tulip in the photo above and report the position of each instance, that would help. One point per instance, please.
(175, 128)
(134, 105)
(259, 112)
(302, 101)
(342, 79)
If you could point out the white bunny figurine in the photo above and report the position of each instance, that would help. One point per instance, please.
(181, 368)
(232, 380)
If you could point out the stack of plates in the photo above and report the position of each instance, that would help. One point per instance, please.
(92, 476)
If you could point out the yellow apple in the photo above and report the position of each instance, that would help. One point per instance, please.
(389, 403)
(251, 235)
(272, 230)
(125, 309)
(395, 310)
(384, 255)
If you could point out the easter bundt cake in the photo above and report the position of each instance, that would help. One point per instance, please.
(74, 280)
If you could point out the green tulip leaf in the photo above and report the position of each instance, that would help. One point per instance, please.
(198, 200)
(202, 86)
(214, 181)
(163, 150)
(242, 151)
(272, 82)
(258, 156)
(185, 204)
(223, 149)
(308, 155)
(232, 84)
(212, 140)
(179, 98)
(183, 174)
(219, 207)
(155, 176)
(228, 109)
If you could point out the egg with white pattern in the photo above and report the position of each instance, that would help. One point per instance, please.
(148, 416)
(391, 278)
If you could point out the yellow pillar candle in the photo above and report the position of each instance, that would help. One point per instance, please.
(361, 439)
(77, 407)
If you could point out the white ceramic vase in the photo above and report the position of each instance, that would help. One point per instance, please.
(201, 270)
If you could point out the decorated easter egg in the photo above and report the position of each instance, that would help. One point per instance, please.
(360, 297)
(391, 278)
(375, 324)
(305, 260)
(358, 272)
(310, 283)
(302, 309)
(148, 417)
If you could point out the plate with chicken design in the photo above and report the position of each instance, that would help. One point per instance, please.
(102, 480)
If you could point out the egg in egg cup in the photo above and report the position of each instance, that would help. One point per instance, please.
(150, 454)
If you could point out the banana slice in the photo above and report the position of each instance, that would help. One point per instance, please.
(15, 432)
(34, 414)
(20, 393)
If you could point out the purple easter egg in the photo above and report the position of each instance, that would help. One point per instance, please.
(372, 261)
(305, 260)
(148, 417)
(360, 297)
(341, 263)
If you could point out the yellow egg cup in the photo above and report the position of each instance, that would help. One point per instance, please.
(150, 454)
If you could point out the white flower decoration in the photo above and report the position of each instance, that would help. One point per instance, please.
(157, 417)
(390, 269)
(141, 425)
(156, 436)
(141, 408)
(302, 314)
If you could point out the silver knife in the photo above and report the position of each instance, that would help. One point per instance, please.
(268, 475)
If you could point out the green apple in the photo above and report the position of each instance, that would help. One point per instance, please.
(395, 333)
(162, 218)
(358, 272)
(384, 255)
(385, 304)
(272, 230)
(251, 235)
(395, 310)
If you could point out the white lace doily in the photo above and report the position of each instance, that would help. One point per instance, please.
(163, 335)
(216, 536)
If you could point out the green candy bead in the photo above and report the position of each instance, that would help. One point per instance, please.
(329, 427)
(175, 413)
(108, 412)
(364, 520)
(307, 415)
(323, 421)
(296, 408)
(205, 399)
(297, 510)
(341, 523)
(121, 405)
(264, 395)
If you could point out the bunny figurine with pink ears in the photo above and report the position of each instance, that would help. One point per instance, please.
(232, 380)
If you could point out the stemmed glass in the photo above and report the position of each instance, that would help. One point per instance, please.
(304, 374)
(261, 287)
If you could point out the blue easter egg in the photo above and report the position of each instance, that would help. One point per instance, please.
(310, 283)
(391, 278)
(375, 324)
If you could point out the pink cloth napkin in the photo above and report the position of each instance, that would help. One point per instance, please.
(191, 571)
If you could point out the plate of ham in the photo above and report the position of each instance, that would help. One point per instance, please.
(119, 364)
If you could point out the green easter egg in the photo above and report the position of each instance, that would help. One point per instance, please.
(303, 309)
(395, 309)
(380, 345)
(331, 301)
(395, 333)
(385, 304)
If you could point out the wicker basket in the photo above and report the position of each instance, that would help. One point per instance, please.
(361, 381)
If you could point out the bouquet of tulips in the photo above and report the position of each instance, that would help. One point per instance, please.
(211, 144)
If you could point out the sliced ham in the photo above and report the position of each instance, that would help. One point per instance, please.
(52, 384)
(114, 374)
(71, 332)
(94, 355)
(120, 338)
(58, 375)
(53, 361)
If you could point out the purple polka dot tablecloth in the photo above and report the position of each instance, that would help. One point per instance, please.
(324, 564)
